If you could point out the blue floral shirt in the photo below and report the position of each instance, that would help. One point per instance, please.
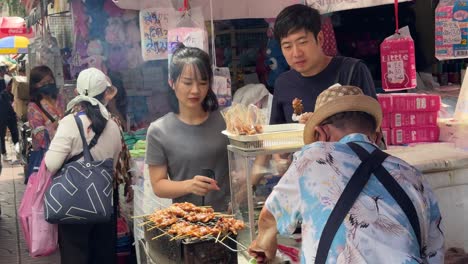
(376, 230)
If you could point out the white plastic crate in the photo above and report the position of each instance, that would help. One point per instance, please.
(273, 137)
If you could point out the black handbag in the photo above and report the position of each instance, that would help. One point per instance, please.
(82, 191)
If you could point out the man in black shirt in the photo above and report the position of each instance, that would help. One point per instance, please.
(298, 30)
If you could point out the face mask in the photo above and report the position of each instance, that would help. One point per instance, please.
(49, 89)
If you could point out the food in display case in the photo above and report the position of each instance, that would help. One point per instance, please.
(253, 175)
(244, 120)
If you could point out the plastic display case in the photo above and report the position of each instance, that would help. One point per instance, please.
(253, 174)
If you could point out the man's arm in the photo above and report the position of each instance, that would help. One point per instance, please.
(264, 247)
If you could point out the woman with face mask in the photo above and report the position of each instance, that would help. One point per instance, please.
(45, 106)
(87, 243)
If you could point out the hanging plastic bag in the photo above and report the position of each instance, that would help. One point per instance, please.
(187, 28)
(222, 86)
(397, 58)
(41, 237)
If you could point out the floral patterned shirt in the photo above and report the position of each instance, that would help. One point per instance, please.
(376, 230)
(39, 121)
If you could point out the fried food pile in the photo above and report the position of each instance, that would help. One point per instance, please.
(298, 107)
(185, 220)
(244, 120)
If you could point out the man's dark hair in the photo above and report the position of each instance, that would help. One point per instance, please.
(360, 121)
(297, 17)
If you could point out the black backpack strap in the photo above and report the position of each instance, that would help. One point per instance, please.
(395, 190)
(49, 116)
(86, 153)
(91, 145)
(346, 61)
(350, 193)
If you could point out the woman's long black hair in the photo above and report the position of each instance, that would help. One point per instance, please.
(199, 59)
(98, 122)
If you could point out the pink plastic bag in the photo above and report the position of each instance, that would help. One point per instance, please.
(41, 237)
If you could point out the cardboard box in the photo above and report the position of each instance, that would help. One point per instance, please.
(385, 101)
(451, 29)
(386, 120)
(386, 135)
(413, 119)
(21, 108)
(454, 131)
(20, 88)
(406, 135)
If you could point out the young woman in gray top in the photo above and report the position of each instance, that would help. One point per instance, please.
(183, 143)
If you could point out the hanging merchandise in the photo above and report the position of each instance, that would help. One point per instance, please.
(154, 24)
(397, 59)
(451, 29)
(222, 86)
(45, 50)
(328, 6)
(188, 29)
(329, 40)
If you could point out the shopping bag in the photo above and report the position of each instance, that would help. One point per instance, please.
(41, 237)
(25, 209)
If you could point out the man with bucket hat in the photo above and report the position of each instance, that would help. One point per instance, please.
(356, 203)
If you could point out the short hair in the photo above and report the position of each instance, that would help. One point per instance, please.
(200, 60)
(360, 121)
(297, 17)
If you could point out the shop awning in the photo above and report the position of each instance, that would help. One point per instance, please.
(14, 26)
(14, 45)
(238, 9)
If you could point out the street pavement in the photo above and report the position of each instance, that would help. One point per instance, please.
(13, 248)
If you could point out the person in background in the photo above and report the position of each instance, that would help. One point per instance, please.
(7, 118)
(87, 243)
(298, 30)
(46, 106)
(183, 143)
(376, 229)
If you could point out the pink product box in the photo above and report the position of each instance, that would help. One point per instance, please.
(386, 136)
(386, 120)
(413, 119)
(415, 102)
(406, 135)
(385, 101)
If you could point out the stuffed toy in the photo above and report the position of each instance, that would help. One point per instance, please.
(112, 9)
(95, 56)
(115, 35)
(80, 19)
(134, 57)
(275, 60)
(274, 56)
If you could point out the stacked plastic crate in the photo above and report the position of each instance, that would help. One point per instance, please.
(410, 118)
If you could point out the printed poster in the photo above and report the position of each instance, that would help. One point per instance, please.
(154, 23)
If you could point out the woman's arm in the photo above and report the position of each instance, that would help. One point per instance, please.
(61, 145)
(37, 124)
(165, 188)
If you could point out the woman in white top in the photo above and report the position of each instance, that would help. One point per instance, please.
(87, 243)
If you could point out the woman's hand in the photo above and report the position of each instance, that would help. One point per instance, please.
(201, 185)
